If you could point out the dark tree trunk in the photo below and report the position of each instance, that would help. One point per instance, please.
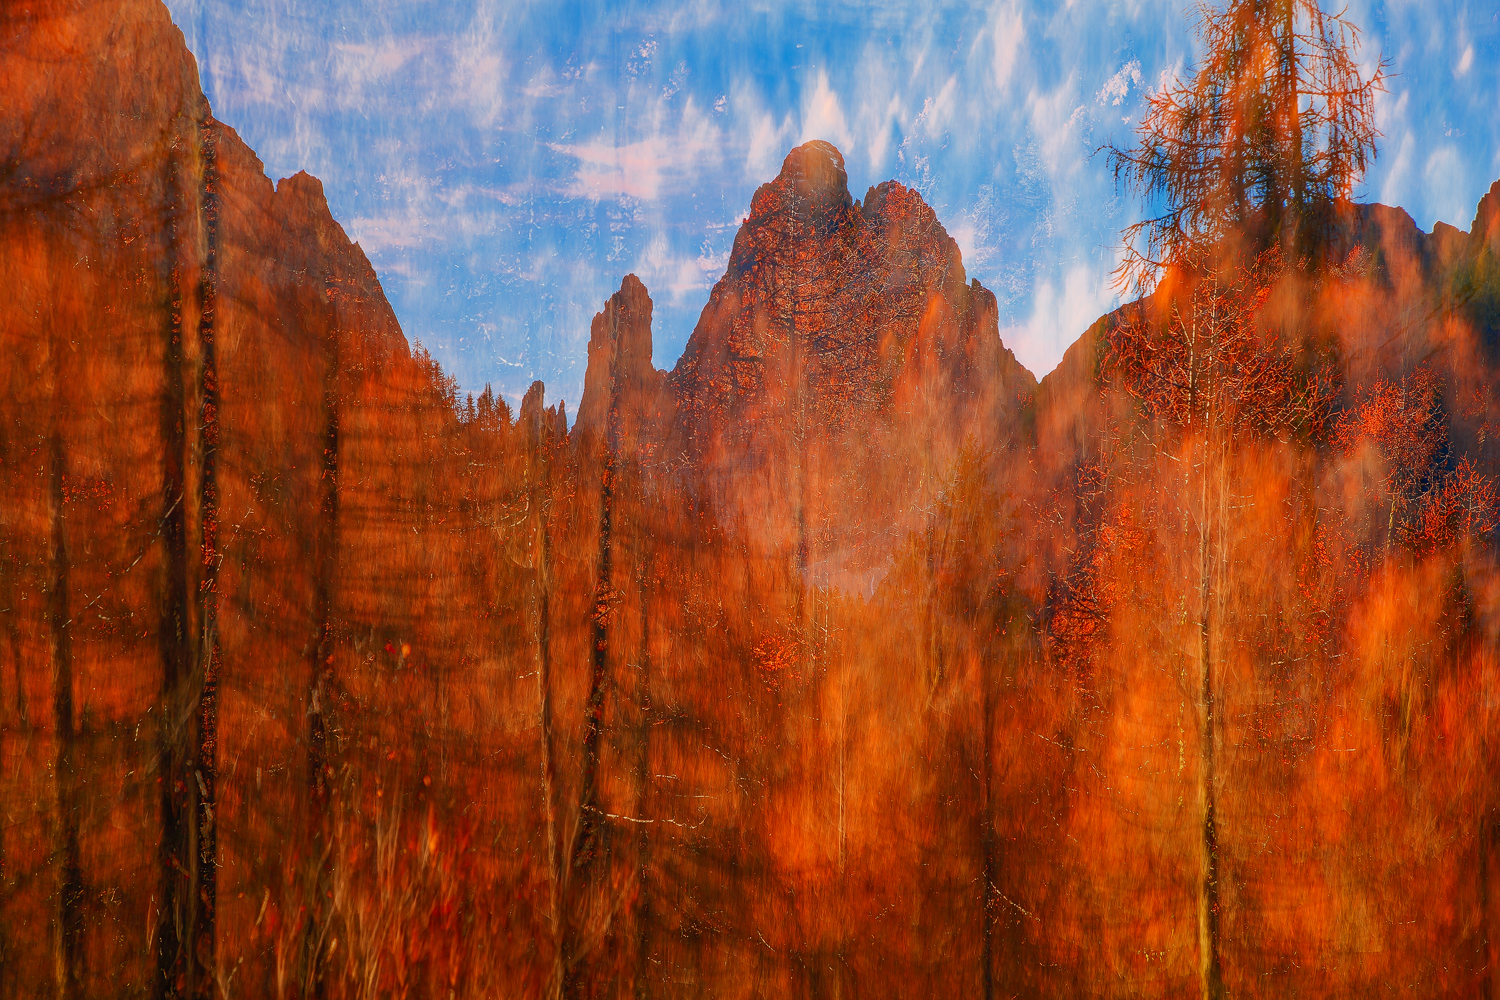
(206, 775)
(1489, 904)
(319, 766)
(172, 634)
(535, 440)
(188, 639)
(590, 825)
(591, 841)
(14, 632)
(989, 862)
(70, 875)
(643, 764)
(1208, 913)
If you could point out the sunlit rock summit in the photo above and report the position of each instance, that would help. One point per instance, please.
(838, 367)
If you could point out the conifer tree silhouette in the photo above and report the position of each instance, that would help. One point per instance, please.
(1275, 127)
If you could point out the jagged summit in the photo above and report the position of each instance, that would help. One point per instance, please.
(841, 299)
(815, 170)
(620, 384)
(842, 354)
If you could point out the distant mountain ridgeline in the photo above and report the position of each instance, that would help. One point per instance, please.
(844, 658)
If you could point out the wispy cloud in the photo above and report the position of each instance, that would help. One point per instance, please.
(1007, 32)
(1061, 312)
(823, 116)
(1117, 87)
(640, 169)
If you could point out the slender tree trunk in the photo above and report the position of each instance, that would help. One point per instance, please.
(591, 842)
(69, 942)
(206, 776)
(1210, 972)
(319, 767)
(591, 826)
(188, 639)
(929, 587)
(643, 765)
(843, 762)
(539, 469)
(1207, 391)
(1390, 524)
(989, 863)
(171, 922)
(1295, 202)
(5, 728)
(832, 660)
(1208, 905)
(1489, 903)
(8, 985)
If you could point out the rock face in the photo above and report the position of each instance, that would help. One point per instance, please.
(840, 364)
(1484, 234)
(620, 409)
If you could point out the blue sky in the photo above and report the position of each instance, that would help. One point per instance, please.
(504, 163)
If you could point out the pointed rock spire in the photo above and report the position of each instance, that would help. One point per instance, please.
(620, 379)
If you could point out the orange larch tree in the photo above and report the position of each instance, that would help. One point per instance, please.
(1430, 500)
(1276, 126)
(1208, 380)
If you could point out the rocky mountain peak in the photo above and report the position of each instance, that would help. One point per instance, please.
(620, 379)
(815, 170)
(1485, 232)
(842, 353)
(811, 194)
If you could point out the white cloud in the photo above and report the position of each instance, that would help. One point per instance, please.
(1117, 88)
(361, 70)
(768, 145)
(937, 112)
(1443, 180)
(880, 104)
(878, 124)
(1058, 317)
(639, 169)
(258, 81)
(477, 80)
(663, 270)
(823, 117)
(966, 235)
(1008, 31)
(355, 63)
(1390, 110)
(1465, 61)
(381, 234)
(606, 170)
(544, 84)
(1394, 185)
(1055, 121)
